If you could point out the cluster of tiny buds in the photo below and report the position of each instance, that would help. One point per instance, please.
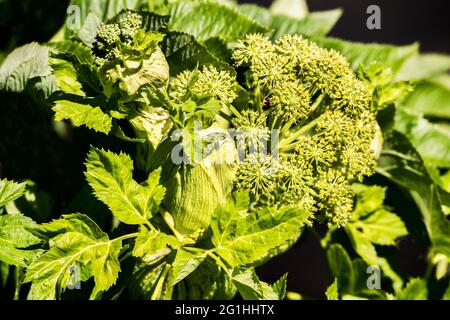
(121, 30)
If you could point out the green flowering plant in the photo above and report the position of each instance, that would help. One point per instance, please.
(219, 135)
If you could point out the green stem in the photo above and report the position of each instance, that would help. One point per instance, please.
(219, 262)
(18, 274)
(286, 128)
(234, 111)
(127, 236)
(148, 224)
(159, 286)
(58, 36)
(286, 142)
(258, 100)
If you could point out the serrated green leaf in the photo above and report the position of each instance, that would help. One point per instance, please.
(186, 261)
(205, 20)
(250, 287)
(218, 47)
(382, 227)
(332, 291)
(207, 282)
(369, 199)
(280, 287)
(10, 191)
(364, 54)
(153, 22)
(14, 236)
(23, 65)
(183, 52)
(83, 114)
(13, 230)
(35, 203)
(110, 175)
(416, 289)
(66, 77)
(431, 140)
(245, 239)
(77, 243)
(152, 245)
(256, 13)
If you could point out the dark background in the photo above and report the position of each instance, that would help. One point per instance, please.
(402, 22)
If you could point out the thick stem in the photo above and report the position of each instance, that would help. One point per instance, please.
(18, 277)
(159, 286)
(219, 262)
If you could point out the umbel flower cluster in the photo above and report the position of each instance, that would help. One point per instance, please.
(320, 111)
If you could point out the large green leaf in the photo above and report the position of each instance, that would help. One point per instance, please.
(256, 13)
(205, 20)
(431, 140)
(401, 163)
(110, 175)
(152, 245)
(245, 239)
(24, 64)
(14, 235)
(382, 227)
(66, 77)
(183, 52)
(186, 261)
(364, 54)
(315, 24)
(77, 244)
(431, 97)
(83, 114)
(424, 66)
(10, 191)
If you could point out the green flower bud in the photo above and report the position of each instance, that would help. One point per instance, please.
(139, 66)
